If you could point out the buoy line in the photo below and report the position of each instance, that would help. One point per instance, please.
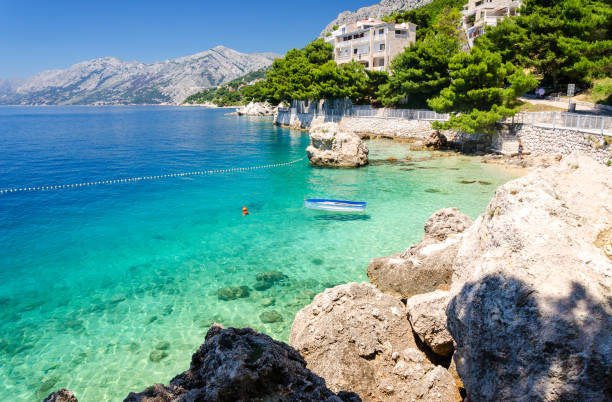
(143, 178)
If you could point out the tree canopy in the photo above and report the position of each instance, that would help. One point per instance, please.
(564, 41)
(482, 90)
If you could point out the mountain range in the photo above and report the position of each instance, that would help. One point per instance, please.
(110, 81)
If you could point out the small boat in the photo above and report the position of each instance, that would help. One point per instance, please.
(335, 205)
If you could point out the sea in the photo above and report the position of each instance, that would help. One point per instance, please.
(110, 288)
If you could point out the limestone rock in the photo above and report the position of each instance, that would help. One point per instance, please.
(426, 266)
(63, 395)
(532, 315)
(241, 364)
(256, 109)
(427, 315)
(385, 7)
(452, 369)
(360, 340)
(435, 140)
(330, 147)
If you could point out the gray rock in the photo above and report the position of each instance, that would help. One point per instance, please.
(360, 340)
(330, 147)
(427, 315)
(63, 395)
(426, 266)
(239, 365)
(385, 7)
(532, 312)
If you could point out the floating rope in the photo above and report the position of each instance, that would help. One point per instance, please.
(143, 178)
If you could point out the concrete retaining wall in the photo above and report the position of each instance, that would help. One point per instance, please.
(393, 128)
(541, 140)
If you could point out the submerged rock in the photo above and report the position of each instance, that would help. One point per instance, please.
(330, 147)
(157, 355)
(426, 266)
(243, 365)
(265, 280)
(427, 315)
(359, 339)
(63, 395)
(269, 317)
(164, 345)
(532, 312)
(233, 292)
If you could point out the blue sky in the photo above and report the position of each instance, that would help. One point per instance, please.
(40, 35)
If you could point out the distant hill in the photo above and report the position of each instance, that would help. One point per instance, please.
(229, 93)
(110, 81)
(385, 7)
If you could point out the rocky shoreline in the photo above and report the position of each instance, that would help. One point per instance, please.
(516, 305)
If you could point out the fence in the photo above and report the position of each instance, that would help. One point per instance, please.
(580, 122)
(368, 111)
(593, 124)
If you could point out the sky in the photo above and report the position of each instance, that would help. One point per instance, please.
(52, 34)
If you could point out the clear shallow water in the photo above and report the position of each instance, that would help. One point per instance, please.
(93, 280)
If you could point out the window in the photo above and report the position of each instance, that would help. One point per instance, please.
(381, 31)
(354, 51)
(381, 47)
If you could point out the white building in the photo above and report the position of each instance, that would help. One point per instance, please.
(371, 42)
(479, 13)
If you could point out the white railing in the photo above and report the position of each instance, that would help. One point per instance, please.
(594, 124)
(367, 111)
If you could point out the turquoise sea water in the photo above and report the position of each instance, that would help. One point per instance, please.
(109, 289)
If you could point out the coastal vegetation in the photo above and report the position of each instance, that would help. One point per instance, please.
(548, 44)
(230, 93)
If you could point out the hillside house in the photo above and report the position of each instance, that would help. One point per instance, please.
(477, 14)
(371, 42)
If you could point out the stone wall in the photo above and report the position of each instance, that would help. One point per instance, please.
(384, 127)
(364, 127)
(541, 140)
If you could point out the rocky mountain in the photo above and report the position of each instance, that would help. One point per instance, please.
(109, 81)
(385, 7)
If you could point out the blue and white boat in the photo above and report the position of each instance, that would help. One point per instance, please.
(335, 205)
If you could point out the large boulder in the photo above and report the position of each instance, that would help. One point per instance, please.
(427, 315)
(256, 109)
(63, 395)
(331, 147)
(532, 311)
(360, 340)
(241, 364)
(427, 265)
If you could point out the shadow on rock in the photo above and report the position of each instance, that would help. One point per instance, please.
(513, 346)
(241, 364)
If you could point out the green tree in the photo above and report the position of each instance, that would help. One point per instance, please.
(420, 72)
(291, 78)
(333, 81)
(483, 90)
(319, 52)
(564, 41)
(376, 79)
